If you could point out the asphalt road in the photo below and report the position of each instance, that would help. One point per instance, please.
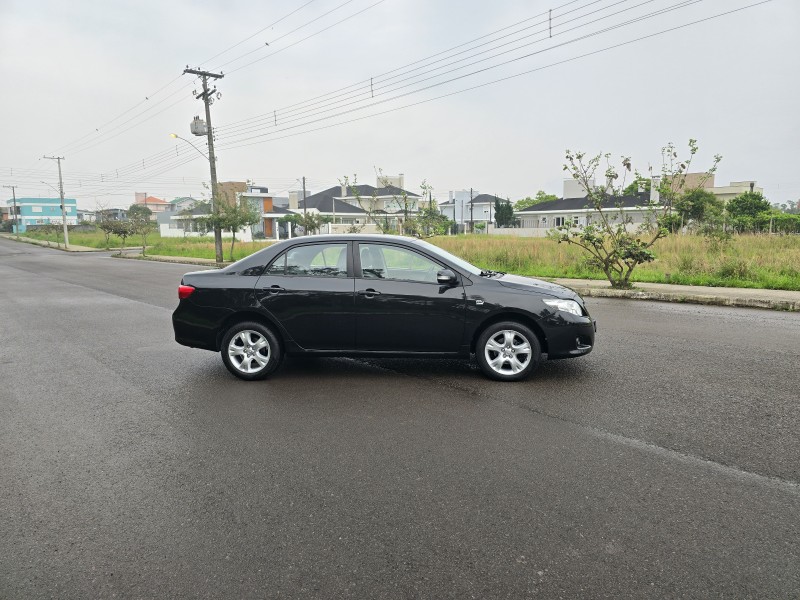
(664, 464)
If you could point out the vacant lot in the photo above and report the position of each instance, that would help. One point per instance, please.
(757, 261)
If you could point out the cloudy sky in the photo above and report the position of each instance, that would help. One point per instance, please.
(462, 94)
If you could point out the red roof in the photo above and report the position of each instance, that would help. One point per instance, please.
(153, 200)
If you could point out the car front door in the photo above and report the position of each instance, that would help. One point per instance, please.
(309, 290)
(400, 306)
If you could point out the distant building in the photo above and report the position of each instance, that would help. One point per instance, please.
(722, 192)
(229, 191)
(182, 203)
(576, 210)
(87, 216)
(347, 206)
(43, 211)
(262, 201)
(187, 223)
(736, 188)
(156, 205)
(466, 212)
(110, 214)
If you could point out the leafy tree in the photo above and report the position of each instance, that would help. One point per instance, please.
(541, 196)
(504, 213)
(309, 222)
(123, 230)
(232, 216)
(614, 244)
(748, 204)
(139, 218)
(236, 216)
(638, 181)
(107, 227)
(139, 211)
(430, 222)
(697, 205)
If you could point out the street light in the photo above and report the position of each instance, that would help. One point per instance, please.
(217, 230)
(203, 154)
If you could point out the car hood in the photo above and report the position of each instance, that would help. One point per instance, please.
(529, 284)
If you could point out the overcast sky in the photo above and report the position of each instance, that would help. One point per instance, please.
(100, 83)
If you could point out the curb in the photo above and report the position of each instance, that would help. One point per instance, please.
(203, 262)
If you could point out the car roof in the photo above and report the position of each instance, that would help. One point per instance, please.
(348, 237)
(273, 250)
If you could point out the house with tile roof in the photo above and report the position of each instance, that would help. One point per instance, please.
(156, 205)
(351, 206)
(576, 209)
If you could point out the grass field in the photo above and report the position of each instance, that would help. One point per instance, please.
(756, 261)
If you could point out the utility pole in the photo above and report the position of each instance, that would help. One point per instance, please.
(471, 222)
(305, 212)
(61, 195)
(206, 95)
(16, 216)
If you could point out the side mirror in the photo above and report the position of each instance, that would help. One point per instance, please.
(446, 277)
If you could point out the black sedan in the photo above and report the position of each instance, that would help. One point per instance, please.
(377, 296)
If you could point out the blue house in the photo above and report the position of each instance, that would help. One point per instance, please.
(41, 211)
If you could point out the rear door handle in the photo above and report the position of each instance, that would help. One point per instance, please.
(369, 293)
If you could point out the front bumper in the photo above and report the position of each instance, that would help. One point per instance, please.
(569, 338)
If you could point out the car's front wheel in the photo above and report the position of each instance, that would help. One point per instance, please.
(508, 351)
(250, 351)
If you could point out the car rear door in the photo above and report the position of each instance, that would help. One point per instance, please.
(309, 290)
(399, 304)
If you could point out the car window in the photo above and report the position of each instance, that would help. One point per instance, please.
(380, 261)
(312, 260)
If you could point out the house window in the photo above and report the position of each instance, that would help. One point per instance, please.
(36, 209)
(575, 221)
(544, 221)
(558, 221)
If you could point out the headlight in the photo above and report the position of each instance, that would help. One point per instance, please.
(569, 306)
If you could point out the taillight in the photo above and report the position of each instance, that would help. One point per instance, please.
(184, 291)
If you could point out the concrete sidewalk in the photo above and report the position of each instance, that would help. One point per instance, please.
(663, 292)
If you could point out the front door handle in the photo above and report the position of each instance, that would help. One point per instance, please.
(275, 289)
(369, 293)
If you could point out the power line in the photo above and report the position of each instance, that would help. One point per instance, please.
(242, 126)
(456, 78)
(208, 60)
(306, 38)
(361, 84)
(485, 84)
(259, 49)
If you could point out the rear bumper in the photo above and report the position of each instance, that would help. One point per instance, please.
(193, 333)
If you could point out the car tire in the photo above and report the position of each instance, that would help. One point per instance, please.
(251, 351)
(508, 351)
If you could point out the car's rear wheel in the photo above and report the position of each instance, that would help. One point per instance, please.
(251, 351)
(508, 351)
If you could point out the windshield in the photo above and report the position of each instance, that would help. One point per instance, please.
(459, 262)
